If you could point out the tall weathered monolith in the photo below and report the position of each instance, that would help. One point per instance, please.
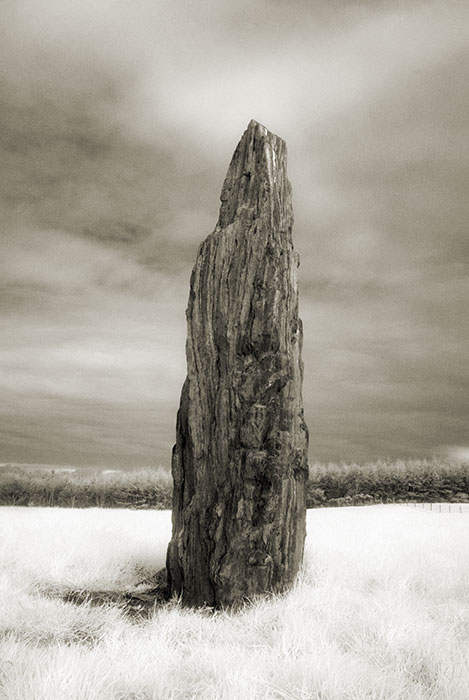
(240, 460)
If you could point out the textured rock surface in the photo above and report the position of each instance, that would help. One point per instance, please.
(240, 460)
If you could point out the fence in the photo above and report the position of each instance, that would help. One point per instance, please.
(441, 507)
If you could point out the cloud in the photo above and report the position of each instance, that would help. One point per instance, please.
(293, 75)
(92, 353)
(457, 453)
(62, 263)
(118, 123)
(91, 381)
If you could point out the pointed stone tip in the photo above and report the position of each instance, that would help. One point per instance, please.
(253, 125)
(256, 177)
(257, 130)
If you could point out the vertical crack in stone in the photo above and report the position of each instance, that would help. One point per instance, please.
(240, 459)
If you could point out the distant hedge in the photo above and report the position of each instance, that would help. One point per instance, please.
(38, 486)
(328, 485)
(386, 481)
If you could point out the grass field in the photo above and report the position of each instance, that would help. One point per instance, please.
(380, 611)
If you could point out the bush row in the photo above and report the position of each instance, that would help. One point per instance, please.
(328, 485)
(384, 481)
(37, 486)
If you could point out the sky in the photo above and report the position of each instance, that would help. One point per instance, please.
(118, 122)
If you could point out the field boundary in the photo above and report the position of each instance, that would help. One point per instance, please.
(439, 507)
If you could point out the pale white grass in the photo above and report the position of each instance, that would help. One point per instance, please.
(380, 611)
(90, 548)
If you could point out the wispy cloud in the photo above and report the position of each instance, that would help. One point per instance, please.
(66, 264)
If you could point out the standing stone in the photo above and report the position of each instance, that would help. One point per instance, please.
(240, 460)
